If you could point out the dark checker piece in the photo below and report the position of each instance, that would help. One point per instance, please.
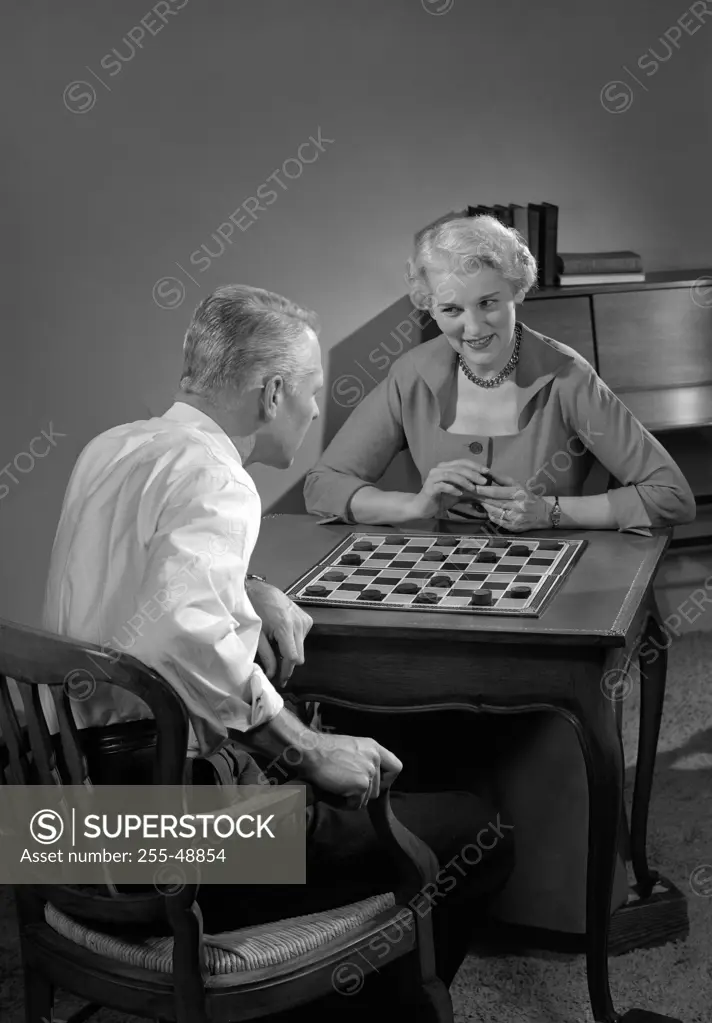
(489, 557)
(433, 556)
(407, 588)
(481, 598)
(549, 545)
(351, 559)
(447, 541)
(519, 550)
(316, 591)
(364, 545)
(427, 598)
(520, 591)
(371, 594)
(334, 577)
(441, 580)
(394, 540)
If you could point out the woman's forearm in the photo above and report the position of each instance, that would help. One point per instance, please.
(590, 512)
(372, 506)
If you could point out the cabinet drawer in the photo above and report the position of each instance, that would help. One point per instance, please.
(649, 339)
(564, 319)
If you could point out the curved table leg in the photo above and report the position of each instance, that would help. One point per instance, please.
(595, 721)
(652, 659)
(596, 727)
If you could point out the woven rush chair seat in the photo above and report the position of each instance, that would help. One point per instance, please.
(250, 948)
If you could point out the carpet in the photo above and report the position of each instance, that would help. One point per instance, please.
(543, 987)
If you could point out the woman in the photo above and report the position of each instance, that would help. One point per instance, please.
(529, 408)
(491, 394)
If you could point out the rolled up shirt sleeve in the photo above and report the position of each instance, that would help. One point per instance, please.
(201, 630)
(360, 452)
(652, 490)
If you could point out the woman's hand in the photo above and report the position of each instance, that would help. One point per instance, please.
(510, 505)
(446, 485)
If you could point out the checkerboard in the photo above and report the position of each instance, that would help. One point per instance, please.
(439, 572)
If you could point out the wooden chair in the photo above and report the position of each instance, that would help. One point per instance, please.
(184, 978)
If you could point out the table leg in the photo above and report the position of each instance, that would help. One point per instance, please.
(601, 747)
(653, 672)
(595, 723)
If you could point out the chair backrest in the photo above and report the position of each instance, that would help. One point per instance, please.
(33, 658)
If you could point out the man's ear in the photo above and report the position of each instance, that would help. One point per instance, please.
(272, 396)
(519, 297)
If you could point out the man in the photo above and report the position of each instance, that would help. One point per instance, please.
(151, 557)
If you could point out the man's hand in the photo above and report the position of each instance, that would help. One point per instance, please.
(354, 768)
(284, 627)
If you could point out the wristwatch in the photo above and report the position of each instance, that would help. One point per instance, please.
(555, 514)
(257, 578)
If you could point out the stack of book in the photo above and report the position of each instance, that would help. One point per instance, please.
(538, 224)
(579, 269)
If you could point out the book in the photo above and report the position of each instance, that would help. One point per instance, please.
(581, 280)
(548, 243)
(535, 216)
(503, 214)
(623, 261)
(520, 220)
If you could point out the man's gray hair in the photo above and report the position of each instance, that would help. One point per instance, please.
(239, 336)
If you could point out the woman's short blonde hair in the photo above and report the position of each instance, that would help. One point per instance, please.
(463, 245)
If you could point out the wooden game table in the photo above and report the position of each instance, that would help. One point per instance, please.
(570, 660)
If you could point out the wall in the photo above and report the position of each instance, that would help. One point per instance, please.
(494, 101)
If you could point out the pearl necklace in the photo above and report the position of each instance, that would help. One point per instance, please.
(503, 373)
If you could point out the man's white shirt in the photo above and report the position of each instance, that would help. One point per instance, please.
(157, 528)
